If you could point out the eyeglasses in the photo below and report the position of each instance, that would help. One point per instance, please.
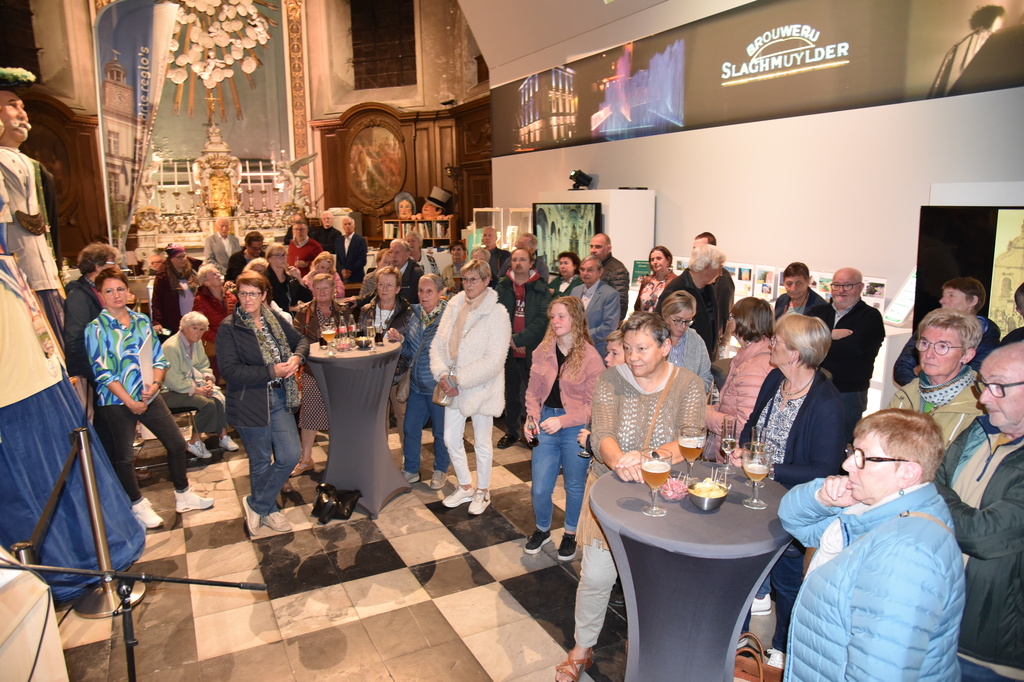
(118, 290)
(471, 280)
(940, 347)
(997, 390)
(680, 322)
(774, 341)
(249, 294)
(836, 286)
(859, 459)
(278, 255)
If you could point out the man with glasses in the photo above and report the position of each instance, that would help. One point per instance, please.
(857, 334)
(302, 250)
(982, 480)
(599, 300)
(253, 249)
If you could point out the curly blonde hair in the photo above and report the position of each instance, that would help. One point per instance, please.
(580, 334)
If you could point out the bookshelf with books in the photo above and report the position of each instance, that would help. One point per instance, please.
(435, 233)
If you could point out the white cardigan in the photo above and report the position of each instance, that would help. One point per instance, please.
(480, 368)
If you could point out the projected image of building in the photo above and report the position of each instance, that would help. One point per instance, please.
(547, 109)
(647, 102)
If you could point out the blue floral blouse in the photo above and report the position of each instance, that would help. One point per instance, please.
(114, 352)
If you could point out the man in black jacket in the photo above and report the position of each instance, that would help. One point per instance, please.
(857, 334)
(351, 251)
(526, 297)
(498, 256)
(698, 280)
(411, 272)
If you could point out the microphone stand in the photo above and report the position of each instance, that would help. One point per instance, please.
(125, 585)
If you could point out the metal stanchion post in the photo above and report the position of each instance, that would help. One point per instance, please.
(103, 600)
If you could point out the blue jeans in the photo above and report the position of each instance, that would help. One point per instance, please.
(280, 439)
(786, 577)
(558, 451)
(854, 404)
(418, 407)
(972, 672)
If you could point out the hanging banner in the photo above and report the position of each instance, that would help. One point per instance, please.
(132, 42)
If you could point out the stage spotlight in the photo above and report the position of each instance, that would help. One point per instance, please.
(580, 179)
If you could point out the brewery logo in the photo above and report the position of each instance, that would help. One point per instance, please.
(785, 51)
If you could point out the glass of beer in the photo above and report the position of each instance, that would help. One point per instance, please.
(371, 333)
(728, 439)
(755, 466)
(691, 443)
(655, 470)
(329, 331)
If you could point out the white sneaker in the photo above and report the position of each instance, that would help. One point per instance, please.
(460, 496)
(189, 501)
(438, 480)
(481, 501)
(198, 449)
(253, 521)
(143, 511)
(411, 478)
(228, 444)
(776, 659)
(277, 522)
(762, 606)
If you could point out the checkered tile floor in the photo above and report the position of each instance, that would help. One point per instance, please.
(422, 593)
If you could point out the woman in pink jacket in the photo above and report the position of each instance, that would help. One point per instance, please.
(562, 378)
(753, 324)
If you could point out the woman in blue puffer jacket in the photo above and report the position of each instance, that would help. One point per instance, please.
(884, 593)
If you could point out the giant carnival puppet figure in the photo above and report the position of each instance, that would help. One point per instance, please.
(26, 187)
(38, 410)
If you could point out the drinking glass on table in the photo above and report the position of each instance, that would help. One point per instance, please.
(371, 333)
(691, 443)
(329, 331)
(728, 439)
(655, 470)
(755, 466)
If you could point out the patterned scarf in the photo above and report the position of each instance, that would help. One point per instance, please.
(271, 354)
(937, 396)
(427, 318)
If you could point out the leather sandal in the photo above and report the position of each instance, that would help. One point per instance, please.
(300, 469)
(573, 668)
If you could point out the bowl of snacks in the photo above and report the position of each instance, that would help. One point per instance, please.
(364, 341)
(675, 487)
(707, 495)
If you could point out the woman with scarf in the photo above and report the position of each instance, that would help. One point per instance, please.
(947, 341)
(389, 313)
(174, 290)
(308, 320)
(420, 405)
(260, 355)
(651, 286)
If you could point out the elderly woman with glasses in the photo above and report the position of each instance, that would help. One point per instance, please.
(884, 592)
(947, 341)
(189, 383)
(688, 348)
(286, 288)
(799, 418)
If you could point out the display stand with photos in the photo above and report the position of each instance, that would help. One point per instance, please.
(509, 223)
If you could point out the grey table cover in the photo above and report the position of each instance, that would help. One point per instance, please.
(355, 386)
(689, 577)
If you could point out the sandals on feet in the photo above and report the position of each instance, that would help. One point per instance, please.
(573, 668)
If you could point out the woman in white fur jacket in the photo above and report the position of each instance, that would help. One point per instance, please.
(467, 357)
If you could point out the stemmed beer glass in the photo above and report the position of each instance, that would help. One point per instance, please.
(655, 470)
(756, 466)
(329, 331)
(691, 443)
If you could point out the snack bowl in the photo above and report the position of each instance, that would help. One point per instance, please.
(364, 342)
(675, 487)
(707, 495)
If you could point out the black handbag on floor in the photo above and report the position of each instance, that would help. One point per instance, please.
(332, 503)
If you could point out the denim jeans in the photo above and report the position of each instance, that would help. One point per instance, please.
(418, 408)
(558, 451)
(120, 421)
(278, 440)
(854, 404)
(786, 577)
(972, 672)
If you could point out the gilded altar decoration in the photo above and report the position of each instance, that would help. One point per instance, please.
(213, 40)
(218, 175)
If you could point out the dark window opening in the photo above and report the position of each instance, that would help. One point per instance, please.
(383, 43)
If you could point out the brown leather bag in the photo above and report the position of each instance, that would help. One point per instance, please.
(751, 665)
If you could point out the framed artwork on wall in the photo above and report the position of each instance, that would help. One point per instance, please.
(376, 164)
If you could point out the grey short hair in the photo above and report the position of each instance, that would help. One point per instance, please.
(193, 319)
(400, 243)
(705, 257)
(530, 237)
(205, 271)
(597, 261)
(434, 279)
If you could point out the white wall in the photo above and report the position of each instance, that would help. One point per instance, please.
(832, 190)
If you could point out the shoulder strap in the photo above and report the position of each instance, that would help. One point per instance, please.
(657, 408)
(922, 515)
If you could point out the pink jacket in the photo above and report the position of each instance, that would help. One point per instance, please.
(747, 372)
(577, 392)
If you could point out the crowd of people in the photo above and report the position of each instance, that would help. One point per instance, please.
(913, 514)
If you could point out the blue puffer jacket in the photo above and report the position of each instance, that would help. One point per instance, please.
(888, 606)
(417, 335)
